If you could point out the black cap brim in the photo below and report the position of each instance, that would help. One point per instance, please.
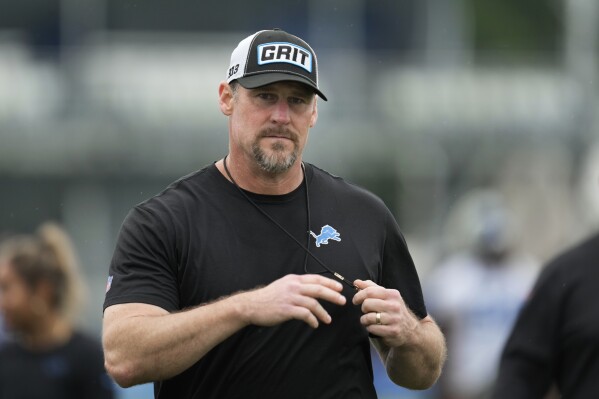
(263, 79)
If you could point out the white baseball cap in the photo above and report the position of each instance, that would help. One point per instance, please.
(270, 56)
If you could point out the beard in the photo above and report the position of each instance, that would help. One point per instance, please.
(277, 160)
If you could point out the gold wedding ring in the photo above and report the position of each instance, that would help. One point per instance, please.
(378, 318)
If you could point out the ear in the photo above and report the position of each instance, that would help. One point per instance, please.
(314, 116)
(225, 98)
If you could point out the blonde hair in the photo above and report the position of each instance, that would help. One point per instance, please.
(47, 256)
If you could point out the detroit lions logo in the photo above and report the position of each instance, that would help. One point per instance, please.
(326, 233)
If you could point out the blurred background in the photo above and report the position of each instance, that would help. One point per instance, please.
(431, 103)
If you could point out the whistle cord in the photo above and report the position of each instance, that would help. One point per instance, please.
(284, 230)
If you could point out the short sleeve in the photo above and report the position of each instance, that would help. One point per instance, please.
(143, 267)
(399, 271)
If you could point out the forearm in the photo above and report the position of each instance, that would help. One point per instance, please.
(143, 348)
(145, 343)
(416, 364)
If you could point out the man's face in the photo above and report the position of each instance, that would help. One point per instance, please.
(270, 124)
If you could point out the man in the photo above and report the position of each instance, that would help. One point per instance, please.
(554, 345)
(230, 283)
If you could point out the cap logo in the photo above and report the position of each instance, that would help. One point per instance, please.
(285, 52)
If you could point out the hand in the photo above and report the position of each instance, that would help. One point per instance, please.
(397, 322)
(292, 297)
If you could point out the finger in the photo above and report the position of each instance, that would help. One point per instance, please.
(305, 315)
(315, 309)
(374, 305)
(322, 280)
(362, 284)
(363, 293)
(324, 293)
(375, 319)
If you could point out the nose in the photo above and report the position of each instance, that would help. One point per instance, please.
(281, 113)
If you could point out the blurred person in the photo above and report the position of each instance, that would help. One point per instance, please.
(555, 340)
(553, 349)
(476, 292)
(588, 189)
(230, 283)
(3, 335)
(2, 330)
(47, 356)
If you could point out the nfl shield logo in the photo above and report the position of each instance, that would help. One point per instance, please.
(109, 283)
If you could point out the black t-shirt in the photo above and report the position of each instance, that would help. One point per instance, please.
(556, 336)
(72, 371)
(200, 239)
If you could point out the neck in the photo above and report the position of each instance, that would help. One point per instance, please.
(256, 180)
(50, 332)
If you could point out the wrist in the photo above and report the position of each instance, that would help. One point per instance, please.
(240, 308)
